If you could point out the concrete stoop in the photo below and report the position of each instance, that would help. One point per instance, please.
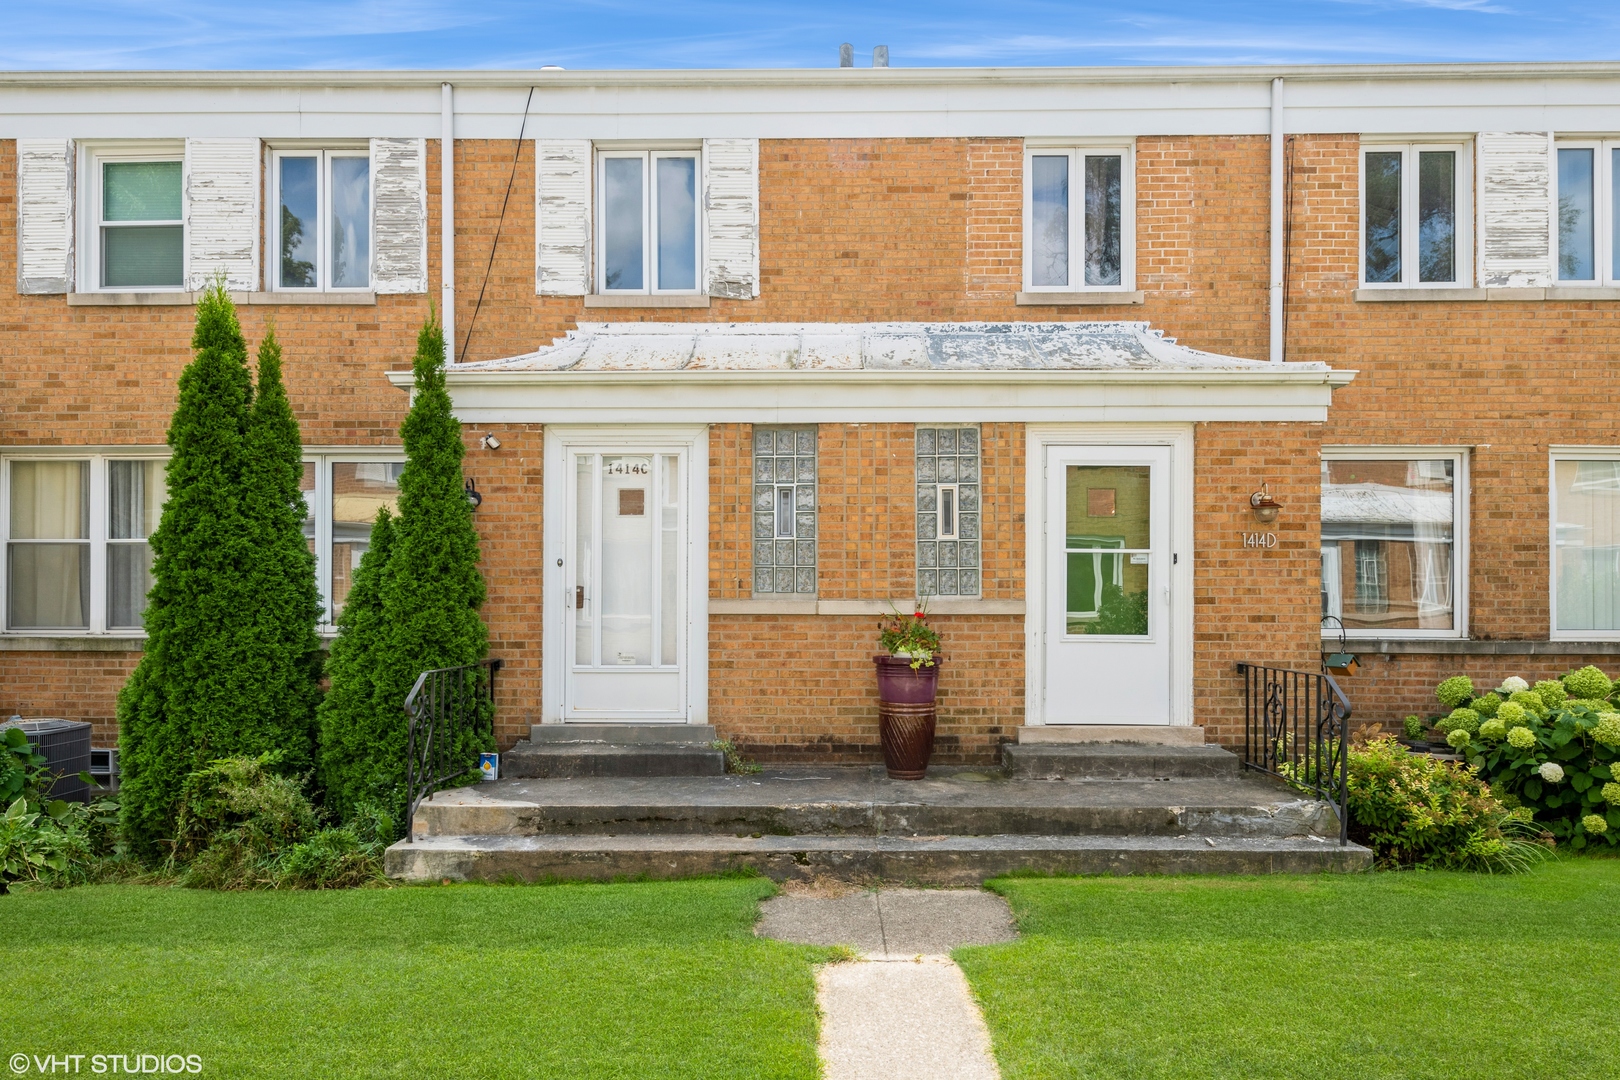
(1114, 812)
(566, 751)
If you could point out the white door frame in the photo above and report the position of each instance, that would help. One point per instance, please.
(559, 439)
(1037, 438)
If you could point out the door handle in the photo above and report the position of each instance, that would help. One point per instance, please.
(579, 596)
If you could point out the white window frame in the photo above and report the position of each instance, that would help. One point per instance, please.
(1461, 486)
(940, 531)
(649, 220)
(1554, 456)
(1463, 255)
(98, 457)
(1076, 152)
(323, 212)
(320, 507)
(92, 156)
(1602, 213)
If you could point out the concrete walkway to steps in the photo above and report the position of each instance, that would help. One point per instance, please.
(905, 1011)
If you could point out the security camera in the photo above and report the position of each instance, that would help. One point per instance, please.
(490, 442)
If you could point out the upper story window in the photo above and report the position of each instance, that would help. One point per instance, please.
(1415, 214)
(649, 223)
(1079, 231)
(322, 220)
(77, 552)
(343, 491)
(1586, 543)
(1588, 236)
(1393, 556)
(138, 227)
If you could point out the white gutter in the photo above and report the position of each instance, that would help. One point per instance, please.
(447, 218)
(1277, 223)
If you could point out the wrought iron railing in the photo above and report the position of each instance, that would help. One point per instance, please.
(451, 713)
(1296, 727)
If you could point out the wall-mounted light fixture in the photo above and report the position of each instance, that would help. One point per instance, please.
(474, 499)
(1264, 506)
(490, 442)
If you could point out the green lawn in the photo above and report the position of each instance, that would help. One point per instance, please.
(1326, 978)
(630, 980)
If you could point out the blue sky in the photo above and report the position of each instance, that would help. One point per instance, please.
(735, 34)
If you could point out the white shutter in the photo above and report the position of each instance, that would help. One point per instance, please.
(731, 205)
(222, 212)
(44, 215)
(562, 214)
(1515, 209)
(399, 215)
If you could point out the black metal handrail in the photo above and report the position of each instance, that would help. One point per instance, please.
(1296, 727)
(447, 709)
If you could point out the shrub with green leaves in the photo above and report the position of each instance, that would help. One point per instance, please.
(1459, 719)
(1414, 727)
(21, 767)
(1487, 704)
(1551, 692)
(1418, 810)
(1589, 682)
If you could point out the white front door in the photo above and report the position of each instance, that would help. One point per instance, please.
(1107, 549)
(626, 569)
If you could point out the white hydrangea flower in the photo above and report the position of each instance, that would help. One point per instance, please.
(1513, 682)
(1552, 772)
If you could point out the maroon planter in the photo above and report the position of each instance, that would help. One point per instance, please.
(906, 715)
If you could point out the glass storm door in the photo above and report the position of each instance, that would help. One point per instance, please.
(626, 586)
(1107, 627)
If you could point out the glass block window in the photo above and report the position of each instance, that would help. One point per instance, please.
(784, 511)
(947, 511)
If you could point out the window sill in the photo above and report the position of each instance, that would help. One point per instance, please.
(1470, 647)
(85, 643)
(645, 300)
(358, 298)
(1438, 296)
(763, 606)
(1089, 298)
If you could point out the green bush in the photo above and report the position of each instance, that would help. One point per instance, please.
(1486, 705)
(1464, 719)
(1551, 692)
(1414, 727)
(1455, 691)
(1417, 810)
(54, 843)
(21, 768)
(1589, 683)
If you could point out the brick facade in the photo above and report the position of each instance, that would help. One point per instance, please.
(910, 229)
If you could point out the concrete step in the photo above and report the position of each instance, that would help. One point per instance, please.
(1115, 761)
(582, 759)
(931, 860)
(854, 802)
(623, 734)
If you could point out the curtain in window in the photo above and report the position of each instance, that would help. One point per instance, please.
(1587, 558)
(49, 582)
(135, 495)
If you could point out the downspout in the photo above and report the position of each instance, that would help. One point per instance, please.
(1276, 307)
(447, 218)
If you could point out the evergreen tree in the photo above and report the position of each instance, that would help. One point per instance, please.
(283, 652)
(357, 739)
(184, 694)
(433, 589)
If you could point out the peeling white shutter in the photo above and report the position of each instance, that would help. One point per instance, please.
(399, 215)
(44, 216)
(731, 205)
(1515, 209)
(222, 212)
(562, 214)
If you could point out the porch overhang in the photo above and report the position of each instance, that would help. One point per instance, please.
(881, 373)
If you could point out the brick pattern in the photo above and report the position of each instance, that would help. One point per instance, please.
(995, 218)
(867, 516)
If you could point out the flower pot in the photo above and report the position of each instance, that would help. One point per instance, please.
(906, 715)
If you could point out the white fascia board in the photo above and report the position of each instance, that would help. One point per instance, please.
(881, 397)
(814, 103)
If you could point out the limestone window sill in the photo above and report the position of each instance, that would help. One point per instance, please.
(365, 298)
(1438, 296)
(1469, 647)
(644, 300)
(84, 643)
(1087, 298)
(763, 606)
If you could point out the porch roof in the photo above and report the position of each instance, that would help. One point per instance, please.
(878, 346)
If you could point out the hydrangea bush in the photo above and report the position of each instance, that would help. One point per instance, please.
(1553, 749)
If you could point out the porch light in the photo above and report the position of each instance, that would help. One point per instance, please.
(489, 441)
(474, 499)
(1264, 506)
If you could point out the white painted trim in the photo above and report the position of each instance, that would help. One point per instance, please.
(1284, 392)
(1462, 491)
(559, 439)
(1179, 437)
(1555, 454)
